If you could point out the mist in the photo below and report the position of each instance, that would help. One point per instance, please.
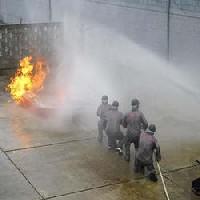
(100, 61)
(96, 60)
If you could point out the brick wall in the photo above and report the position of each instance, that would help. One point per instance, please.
(17, 41)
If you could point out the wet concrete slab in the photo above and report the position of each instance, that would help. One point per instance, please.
(67, 162)
(180, 157)
(179, 141)
(135, 190)
(178, 186)
(12, 183)
(81, 166)
(181, 181)
(21, 129)
(66, 168)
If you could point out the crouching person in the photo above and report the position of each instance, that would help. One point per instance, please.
(148, 145)
(114, 120)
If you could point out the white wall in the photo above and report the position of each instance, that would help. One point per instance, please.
(30, 11)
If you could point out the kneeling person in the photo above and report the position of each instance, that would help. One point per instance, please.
(144, 157)
(114, 120)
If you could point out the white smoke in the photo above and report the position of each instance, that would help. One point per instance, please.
(105, 62)
(96, 60)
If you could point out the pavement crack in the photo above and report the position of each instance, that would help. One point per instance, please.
(93, 188)
(50, 144)
(22, 173)
(181, 168)
(83, 190)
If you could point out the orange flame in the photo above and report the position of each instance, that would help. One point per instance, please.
(27, 81)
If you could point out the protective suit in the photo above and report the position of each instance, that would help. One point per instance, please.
(102, 111)
(134, 122)
(114, 120)
(144, 156)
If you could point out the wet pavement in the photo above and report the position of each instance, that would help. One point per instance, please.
(65, 162)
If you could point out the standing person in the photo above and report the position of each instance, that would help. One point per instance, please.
(114, 120)
(101, 113)
(144, 156)
(134, 121)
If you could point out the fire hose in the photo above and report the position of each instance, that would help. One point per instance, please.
(163, 182)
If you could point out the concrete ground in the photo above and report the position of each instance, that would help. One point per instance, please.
(40, 162)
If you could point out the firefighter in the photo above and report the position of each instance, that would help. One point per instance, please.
(148, 145)
(101, 113)
(114, 120)
(134, 121)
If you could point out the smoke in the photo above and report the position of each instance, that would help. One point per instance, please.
(101, 61)
(96, 60)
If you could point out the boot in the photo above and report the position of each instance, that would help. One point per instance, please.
(127, 153)
(153, 177)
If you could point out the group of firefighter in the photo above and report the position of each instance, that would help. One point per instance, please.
(138, 132)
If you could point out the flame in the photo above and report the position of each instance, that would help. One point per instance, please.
(27, 81)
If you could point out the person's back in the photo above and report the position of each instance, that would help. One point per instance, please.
(146, 148)
(144, 156)
(114, 119)
(113, 122)
(134, 121)
(102, 111)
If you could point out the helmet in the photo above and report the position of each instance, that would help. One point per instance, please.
(104, 97)
(135, 102)
(115, 103)
(152, 127)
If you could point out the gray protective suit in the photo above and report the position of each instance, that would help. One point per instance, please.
(134, 121)
(114, 120)
(144, 156)
(102, 111)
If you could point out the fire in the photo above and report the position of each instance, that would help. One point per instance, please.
(27, 81)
